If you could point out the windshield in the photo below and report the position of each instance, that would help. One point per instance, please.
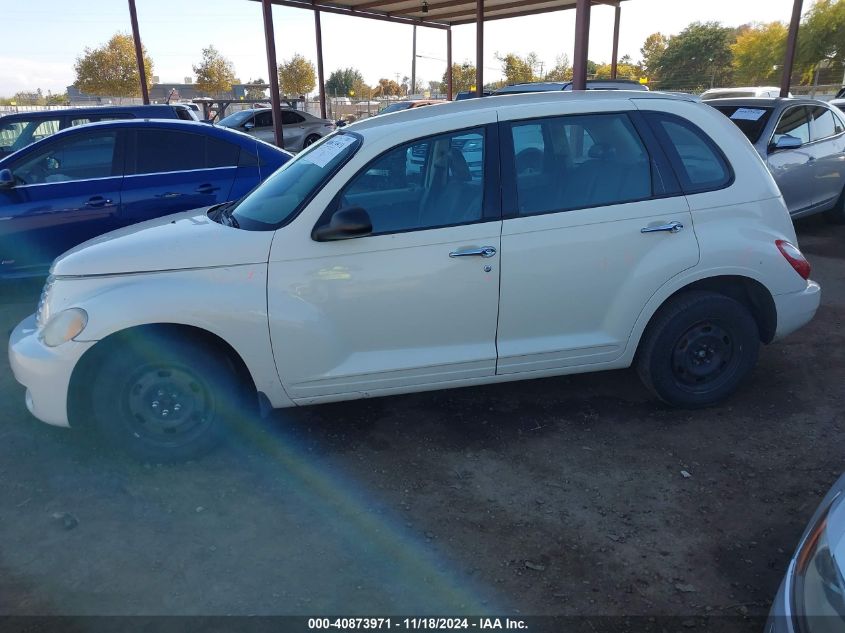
(282, 195)
(751, 120)
(395, 107)
(234, 120)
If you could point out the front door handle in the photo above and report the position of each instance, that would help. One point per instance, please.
(484, 251)
(669, 227)
(97, 201)
(207, 188)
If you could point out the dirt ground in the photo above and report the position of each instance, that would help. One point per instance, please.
(557, 496)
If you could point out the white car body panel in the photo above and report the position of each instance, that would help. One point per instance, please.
(323, 321)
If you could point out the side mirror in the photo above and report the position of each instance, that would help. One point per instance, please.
(344, 224)
(787, 142)
(249, 125)
(7, 180)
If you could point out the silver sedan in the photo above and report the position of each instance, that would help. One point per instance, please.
(811, 598)
(803, 143)
(299, 129)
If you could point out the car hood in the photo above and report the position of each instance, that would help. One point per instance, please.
(174, 242)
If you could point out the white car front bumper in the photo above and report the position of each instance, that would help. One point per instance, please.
(44, 371)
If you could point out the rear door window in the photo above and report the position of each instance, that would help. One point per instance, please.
(162, 151)
(825, 124)
(698, 162)
(575, 162)
(291, 118)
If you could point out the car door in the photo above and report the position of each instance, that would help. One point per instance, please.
(413, 304)
(594, 224)
(262, 126)
(293, 128)
(793, 169)
(169, 170)
(66, 191)
(827, 148)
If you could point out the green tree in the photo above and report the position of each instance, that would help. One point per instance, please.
(255, 89)
(822, 35)
(518, 70)
(340, 82)
(215, 73)
(561, 71)
(623, 71)
(59, 98)
(651, 51)
(111, 70)
(698, 57)
(463, 78)
(757, 53)
(297, 76)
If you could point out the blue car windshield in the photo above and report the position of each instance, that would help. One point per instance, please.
(283, 194)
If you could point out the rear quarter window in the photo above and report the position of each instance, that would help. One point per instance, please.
(699, 164)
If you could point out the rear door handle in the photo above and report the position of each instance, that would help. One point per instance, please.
(97, 201)
(669, 227)
(207, 188)
(484, 251)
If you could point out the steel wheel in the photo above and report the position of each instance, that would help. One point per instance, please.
(167, 405)
(703, 355)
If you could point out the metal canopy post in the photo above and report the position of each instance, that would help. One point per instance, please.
(614, 61)
(414, 63)
(320, 79)
(273, 71)
(139, 53)
(582, 44)
(791, 45)
(479, 48)
(449, 64)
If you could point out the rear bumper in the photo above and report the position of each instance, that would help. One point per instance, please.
(796, 309)
(44, 371)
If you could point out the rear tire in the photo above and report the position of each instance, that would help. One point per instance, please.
(164, 400)
(836, 215)
(698, 349)
(310, 140)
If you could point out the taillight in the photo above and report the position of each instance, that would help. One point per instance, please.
(795, 258)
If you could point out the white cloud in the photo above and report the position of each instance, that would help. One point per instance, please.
(17, 74)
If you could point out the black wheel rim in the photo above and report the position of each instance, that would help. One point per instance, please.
(168, 405)
(704, 357)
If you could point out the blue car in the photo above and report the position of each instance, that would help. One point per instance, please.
(91, 179)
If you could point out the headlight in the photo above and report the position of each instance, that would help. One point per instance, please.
(42, 315)
(64, 326)
(818, 587)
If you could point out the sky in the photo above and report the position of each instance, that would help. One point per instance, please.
(43, 38)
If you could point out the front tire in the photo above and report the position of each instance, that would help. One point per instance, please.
(698, 349)
(163, 400)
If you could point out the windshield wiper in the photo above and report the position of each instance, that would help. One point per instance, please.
(222, 214)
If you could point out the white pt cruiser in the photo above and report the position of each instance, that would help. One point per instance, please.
(477, 242)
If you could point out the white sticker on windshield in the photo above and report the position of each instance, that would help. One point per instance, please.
(322, 155)
(748, 114)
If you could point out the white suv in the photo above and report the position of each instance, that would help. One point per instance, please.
(531, 235)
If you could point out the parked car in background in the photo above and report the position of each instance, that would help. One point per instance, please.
(471, 94)
(650, 233)
(87, 180)
(398, 106)
(803, 144)
(299, 128)
(22, 128)
(811, 597)
(593, 84)
(730, 93)
(839, 99)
